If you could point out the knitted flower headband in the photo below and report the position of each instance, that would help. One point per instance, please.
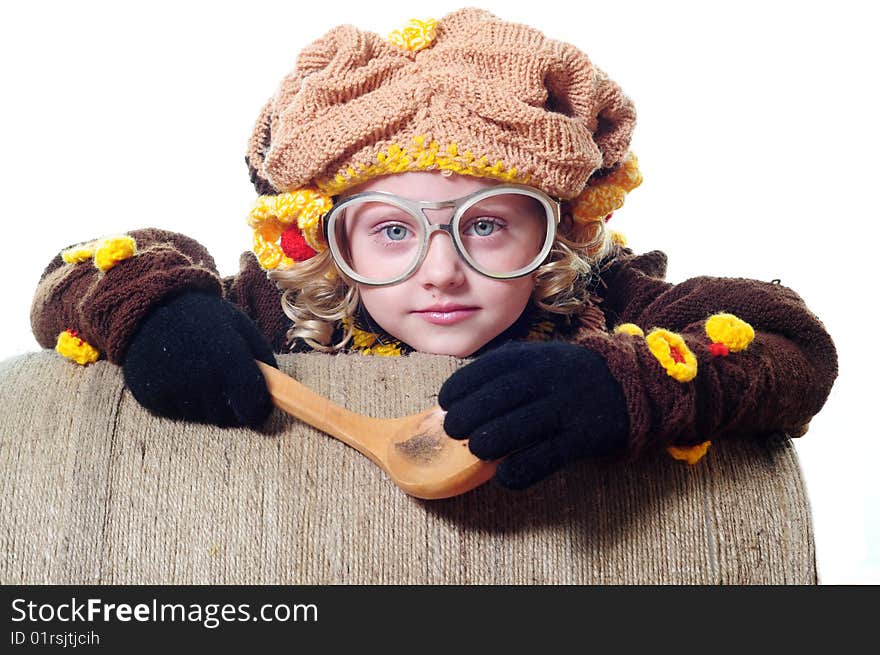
(470, 94)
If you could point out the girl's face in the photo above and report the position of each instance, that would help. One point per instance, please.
(446, 307)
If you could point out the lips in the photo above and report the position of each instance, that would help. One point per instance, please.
(445, 308)
(447, 314)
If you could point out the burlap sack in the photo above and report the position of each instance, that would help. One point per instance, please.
(96, 490)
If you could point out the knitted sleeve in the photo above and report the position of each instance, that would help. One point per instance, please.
(258, 297)
(92, 296)
(710, 357)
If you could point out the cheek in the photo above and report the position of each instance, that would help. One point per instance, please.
(510, 297)
(383, 303)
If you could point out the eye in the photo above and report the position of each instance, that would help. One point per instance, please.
(395, 232)
(483, 227)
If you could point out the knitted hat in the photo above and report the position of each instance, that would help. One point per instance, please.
(469, 93)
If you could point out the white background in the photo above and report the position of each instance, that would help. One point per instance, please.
(757, 138)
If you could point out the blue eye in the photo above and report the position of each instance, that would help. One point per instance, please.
(483, 227)
(395, 232)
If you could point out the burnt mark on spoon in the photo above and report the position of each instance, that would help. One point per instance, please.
(422, 448)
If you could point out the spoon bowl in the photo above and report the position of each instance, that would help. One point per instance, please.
(414, 451)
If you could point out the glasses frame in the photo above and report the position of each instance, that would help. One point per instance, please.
(416, 208)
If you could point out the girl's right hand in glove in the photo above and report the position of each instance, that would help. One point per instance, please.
(193, 358)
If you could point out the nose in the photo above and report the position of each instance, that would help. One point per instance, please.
(442, 267)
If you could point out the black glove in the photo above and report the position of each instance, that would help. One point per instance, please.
(193, 358)
(547, 403)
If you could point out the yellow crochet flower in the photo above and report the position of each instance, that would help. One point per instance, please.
(730, 330)
(79, 253)
(113, 250)
(607, 194)
(673, 354)
(366, 342)
(689, 454)
(269, 254)
(629, 328)
(618, 238)
(71, 346)
(384, 350)
(272, 215)
(416, 35)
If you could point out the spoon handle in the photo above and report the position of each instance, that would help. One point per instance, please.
(301, 402)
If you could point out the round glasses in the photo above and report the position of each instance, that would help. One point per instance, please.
(502, 232)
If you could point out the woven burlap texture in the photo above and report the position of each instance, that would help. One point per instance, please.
(96, 490)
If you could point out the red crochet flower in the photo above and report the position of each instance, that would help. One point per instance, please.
(294, 245)
(719, 349)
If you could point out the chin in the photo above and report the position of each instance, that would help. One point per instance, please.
(451, 349)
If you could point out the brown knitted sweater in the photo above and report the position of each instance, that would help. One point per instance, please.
(775, 385)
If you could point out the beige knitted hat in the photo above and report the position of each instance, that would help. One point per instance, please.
(469, 93)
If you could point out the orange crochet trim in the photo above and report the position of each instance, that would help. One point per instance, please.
(689, 454)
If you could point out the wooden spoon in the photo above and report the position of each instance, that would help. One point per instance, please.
(413, 450)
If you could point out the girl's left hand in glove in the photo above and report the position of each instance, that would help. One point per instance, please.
(538, 405)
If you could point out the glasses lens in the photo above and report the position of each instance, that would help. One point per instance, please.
(504, 233)
(379, 241)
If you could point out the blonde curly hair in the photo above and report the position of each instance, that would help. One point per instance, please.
(317, 294)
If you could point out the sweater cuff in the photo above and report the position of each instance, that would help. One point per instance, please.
(92, 297)
(662, 408)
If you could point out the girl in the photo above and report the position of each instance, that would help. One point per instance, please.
(447, 190)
